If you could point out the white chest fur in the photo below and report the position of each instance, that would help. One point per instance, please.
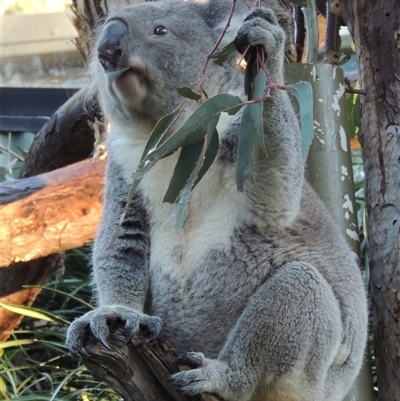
(216, 208)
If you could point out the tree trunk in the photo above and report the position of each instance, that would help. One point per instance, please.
(376, 33)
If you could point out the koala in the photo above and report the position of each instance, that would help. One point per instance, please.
(258, 291)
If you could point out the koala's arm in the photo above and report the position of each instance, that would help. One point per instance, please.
(278, 176)
(120, 269)
(120, 253)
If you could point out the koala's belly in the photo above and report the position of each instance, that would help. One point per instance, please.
(200, 286)
(199, 304)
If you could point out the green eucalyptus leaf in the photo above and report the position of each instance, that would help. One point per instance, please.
(353, 113)
(256, 111)
(357, 114)
(188, 93)
(185, 165)
(189, 159)
(137, 177)
(159, 131)
(192, 131)
(207, 155)
(244, 168)
(212, 147)
(248, 73)
(310, 20)
(251, 132)
(221, 56)
(181, 210)
(3, 173)
(302, 91)
(195, 128)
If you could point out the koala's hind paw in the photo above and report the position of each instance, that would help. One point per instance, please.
(192, 359)
(98, 320)
(206, 375)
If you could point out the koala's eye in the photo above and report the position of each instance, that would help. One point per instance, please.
(160, 30)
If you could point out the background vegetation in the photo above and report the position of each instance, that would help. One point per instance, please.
(34, 363)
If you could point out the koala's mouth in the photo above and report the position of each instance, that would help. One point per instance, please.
(135, 67)
(128, 84)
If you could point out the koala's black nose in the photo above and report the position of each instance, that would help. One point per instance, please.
(112, 47)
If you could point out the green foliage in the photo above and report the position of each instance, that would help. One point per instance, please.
(188, 93)
(13, 149)
(251, 132)
(221, 56)
(34, 363)
(354, 114)
(302, 91)
(196, 137)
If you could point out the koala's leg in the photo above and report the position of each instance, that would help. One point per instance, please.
(282, 346)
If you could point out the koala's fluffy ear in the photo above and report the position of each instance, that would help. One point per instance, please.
(217, 15)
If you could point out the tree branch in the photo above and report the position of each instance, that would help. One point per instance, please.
(51, 212)
(138, 370)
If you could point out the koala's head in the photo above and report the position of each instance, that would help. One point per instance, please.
(144, 52)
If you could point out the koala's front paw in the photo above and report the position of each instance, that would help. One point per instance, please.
(261, 27)
(206, 375)
(98, 320)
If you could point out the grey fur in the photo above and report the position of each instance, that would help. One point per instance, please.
(258, 290)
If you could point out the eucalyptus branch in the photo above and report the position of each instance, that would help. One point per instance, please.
(213, 50)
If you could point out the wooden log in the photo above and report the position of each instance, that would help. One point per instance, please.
(136, 371)
(51, 212)
(66, 138)
(32, 211)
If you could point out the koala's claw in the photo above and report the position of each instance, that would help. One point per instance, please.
(155, 330)
(77, 349)
(206, 375)
(77, 335)
(98, 320)
(192, 359)
(104, 342)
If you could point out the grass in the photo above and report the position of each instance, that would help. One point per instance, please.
(35, 364)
